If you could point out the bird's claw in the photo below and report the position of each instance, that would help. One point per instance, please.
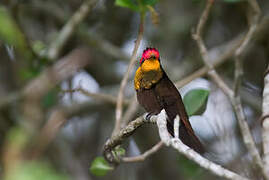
(148, 116)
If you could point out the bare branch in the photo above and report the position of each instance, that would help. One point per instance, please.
(203, 50)
(174, 142)
(49, 78)
(177, 144)
(238, 61)
(223, 52)
(127, 131)
(202, 162)
(63, 69)
(96, 40)
(131, 110)
(48, 132)
(237, 75)
(265, 122)
(162, 127)
(145, 155)
(126, 76)
(236, 102)
(98, 96)
(68, 29)
(198, 33)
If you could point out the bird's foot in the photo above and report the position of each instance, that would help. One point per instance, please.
(149, 115)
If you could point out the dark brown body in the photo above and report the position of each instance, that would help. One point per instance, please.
(164, 95)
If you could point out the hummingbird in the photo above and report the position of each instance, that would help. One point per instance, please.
(155, 91)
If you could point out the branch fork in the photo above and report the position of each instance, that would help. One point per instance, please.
(177, 144)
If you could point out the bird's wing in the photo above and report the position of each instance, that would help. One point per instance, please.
(171, 101)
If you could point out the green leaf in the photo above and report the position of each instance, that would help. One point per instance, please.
(9, 30)
(195, 101)
(27, 74)
(136, 5)
(149, 2)
(34, 170)
(188, 168)
(39, 48)
(50, 98)
(17, 137)
(100, 167)
(128, 4)
(119, 151)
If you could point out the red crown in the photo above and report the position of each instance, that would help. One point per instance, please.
(148, 53)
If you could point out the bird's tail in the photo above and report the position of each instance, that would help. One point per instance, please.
(190, 139)
(187, 137)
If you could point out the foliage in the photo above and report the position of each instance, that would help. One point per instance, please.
(100, 166)
(187, 167)
(50, 98)
(195, 101)
(9, 30)
(39, 48)
(34, 170)
(136, 5)
(17, 137)
(119, 151)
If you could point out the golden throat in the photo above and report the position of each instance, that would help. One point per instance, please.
(148, 74)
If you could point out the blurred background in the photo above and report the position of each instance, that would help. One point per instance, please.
(61, 65)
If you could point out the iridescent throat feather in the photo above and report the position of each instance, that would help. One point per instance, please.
(149, 73)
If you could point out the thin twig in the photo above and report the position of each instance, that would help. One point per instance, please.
(145, 155)
(124, 133)
(244, 44)
(203, 50)
(216, 60)
(265, 123)
(198, 34)
(177, 144)
(96, 40)
(129, 113)
(98, 96)
(68, 29)
(126, 76)
(238, 72)
(236, 102)
(61, 70)
(203, 162)
(220, 59)
(48, 132)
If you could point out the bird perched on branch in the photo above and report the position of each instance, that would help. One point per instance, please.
(155, 91)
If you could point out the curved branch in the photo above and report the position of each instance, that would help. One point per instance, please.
(68, 29)
(118, 138)
(235, 100)
(126, 76)
(145, 155)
